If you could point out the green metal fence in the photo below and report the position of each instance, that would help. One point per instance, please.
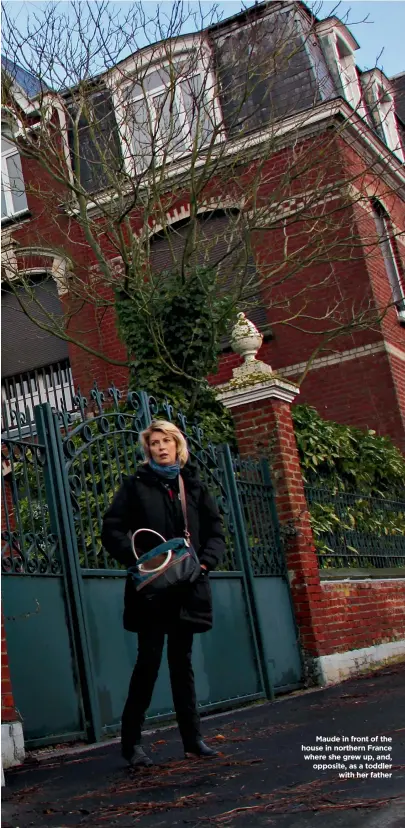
(39, 615)
(61, 479)
(354, 531)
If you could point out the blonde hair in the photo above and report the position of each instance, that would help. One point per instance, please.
(166, 428)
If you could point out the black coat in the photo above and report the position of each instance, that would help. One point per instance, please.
(144, 502)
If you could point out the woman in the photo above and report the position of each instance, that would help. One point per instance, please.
(150, 500)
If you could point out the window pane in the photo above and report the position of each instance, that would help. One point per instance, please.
(169, 126)
(141, 135)
(196, 108)
(16, 183)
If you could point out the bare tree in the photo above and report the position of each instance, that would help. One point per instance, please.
(129, 155)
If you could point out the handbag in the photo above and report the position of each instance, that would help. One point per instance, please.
(170, 563)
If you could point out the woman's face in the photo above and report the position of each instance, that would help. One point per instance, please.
(163, 448)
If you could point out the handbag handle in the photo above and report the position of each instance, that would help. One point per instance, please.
(152, 531)
(182, 492)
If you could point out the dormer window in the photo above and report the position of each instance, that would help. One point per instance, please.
(385, 120)
(339, 46)
(382, 107)
(166, 111)
(347, 72)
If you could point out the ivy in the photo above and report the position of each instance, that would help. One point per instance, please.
(343, 459)
(172, 330)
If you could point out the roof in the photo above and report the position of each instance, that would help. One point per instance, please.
(398, 84)
(24, 79)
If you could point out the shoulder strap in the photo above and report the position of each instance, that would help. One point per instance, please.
(184, 508)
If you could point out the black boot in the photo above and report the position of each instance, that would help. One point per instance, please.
(136, 756)
(200, 749)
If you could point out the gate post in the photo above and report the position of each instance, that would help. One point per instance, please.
(243, 549)
(260, 402)
(59, 501)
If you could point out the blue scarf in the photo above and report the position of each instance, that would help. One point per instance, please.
(168, 472)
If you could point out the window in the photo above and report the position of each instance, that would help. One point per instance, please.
(382, 107)
(13, 197)
(22, 392)
(348, 73)
(35, 364)
(219, 244)
(165, 115)
(391, 255)
(339, 45)
(385, 118)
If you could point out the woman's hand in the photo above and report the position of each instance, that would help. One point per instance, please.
(204, 567)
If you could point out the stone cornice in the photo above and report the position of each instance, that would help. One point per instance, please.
(242, 392)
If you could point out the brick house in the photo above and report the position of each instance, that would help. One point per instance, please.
(320, 92)
(322, 107)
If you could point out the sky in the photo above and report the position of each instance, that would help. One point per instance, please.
(377, 25)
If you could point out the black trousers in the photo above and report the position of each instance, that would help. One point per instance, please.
(150, 649)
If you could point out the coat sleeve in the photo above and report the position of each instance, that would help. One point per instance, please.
(116, 526)
(212, 535)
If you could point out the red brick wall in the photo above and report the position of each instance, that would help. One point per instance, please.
(367, 391)
(8, 713)
(331, 617)
(362, 613)
(359, 278)
(360, 392)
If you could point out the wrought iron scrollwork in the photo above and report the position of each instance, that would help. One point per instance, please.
(30, 554)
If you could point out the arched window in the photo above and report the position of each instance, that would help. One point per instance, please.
(392, 259)
(35, 364)
(218, 244)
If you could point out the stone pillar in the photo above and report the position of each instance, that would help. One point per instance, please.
(260, 402)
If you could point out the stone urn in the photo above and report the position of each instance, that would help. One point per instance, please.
(246, 339)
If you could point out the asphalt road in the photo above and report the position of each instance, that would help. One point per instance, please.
(261, 777)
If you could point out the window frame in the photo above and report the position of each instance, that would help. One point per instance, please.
(342, 46)
(5, 181)
(349, 79)
(185, 126)
(120, 94)
(391, 257)
(382, 104)
(386, 113)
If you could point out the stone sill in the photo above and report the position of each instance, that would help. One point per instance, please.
(397, 572)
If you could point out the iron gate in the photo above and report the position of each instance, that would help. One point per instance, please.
(79, 460)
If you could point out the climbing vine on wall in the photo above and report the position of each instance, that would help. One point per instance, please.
(172, 329)
(345, 461)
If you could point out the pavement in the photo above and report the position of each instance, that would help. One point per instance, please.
(260, 777)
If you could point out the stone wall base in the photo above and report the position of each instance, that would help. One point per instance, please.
(12, 744)
(339, 666)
